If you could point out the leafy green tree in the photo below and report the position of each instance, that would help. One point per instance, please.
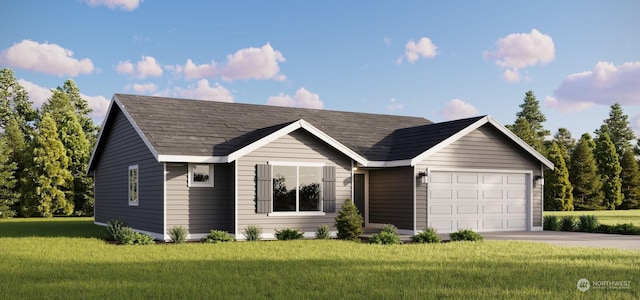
(630, 177)
(14, 103)
(534, 133)
(558, 192)
(609, 170)
(8, 194)
(618, 128)
(81, 108)
(52, 178)
(584, 177)
(21, 155)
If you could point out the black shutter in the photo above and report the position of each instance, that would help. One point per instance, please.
(329, 189)
(263, 189)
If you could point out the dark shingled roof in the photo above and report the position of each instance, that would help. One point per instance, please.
(210, 128)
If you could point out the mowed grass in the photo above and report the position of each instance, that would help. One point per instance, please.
(66, 259)
(610, 217)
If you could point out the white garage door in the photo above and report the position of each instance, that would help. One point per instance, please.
(481, 201)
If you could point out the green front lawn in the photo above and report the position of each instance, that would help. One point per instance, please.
(65, 259)
(610, 217)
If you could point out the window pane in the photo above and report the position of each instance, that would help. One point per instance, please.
(284, 188)
(310, 187)
(200, 173)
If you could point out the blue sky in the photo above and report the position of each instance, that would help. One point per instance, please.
(438, 60)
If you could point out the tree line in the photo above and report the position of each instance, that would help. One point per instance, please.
(44, 152)
(593, 173)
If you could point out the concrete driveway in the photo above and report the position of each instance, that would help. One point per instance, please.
(564, 238)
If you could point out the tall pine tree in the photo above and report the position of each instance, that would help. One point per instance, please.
(609, 170)
(557, 189)
(584, 177)
(52, 178)
(563, 138)
(81, 108)
(618, 128)
(630, 177)
(532, 131)
(15, 104)
(8, 194)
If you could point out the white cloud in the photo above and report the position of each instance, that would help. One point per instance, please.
(203, 91)
(387, 41)
(458, 109)
(45, 58)
(635, 124)
(303, 98)
(395, 106)
(521, 50)
(423, 48)
(147, 66)
(39, 95)
(604, 85)
(129, 5)
(142, 88)
(244, 64)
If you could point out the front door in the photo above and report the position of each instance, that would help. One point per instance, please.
(358, 194)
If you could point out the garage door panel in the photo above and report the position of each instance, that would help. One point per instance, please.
(481, 201)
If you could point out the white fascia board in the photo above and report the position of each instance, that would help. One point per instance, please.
(424, 155)
(388, 164)
(521, 143)
(193, 159)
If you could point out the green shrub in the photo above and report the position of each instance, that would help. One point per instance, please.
(428, 235)
(217, 236)
(114, 230)
(288, 234)
(568, 223)
(252, 233)
(465, 235)
(385, 238)
(627, 228)
(178, 234)
(551, 222)
(390, 228)
(131, 237)
(349, 222)
(323, 232)
(588, 223)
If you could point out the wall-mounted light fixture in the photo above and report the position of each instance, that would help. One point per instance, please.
(422, 176)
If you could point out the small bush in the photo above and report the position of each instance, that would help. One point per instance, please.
(323, 232)
(627, 228)
(130, 237)
(349, 221)
(390, 228)
(465, 235)
(428, 235)
(385, 238)
(114, 230)
(551, 223)
(588, 223)
(217, 236)
(178, 234)
(288, 234)
(252, 233)
(568, 223)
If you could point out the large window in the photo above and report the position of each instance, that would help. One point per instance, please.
(297, 188)
(200, 175)
(133, 185)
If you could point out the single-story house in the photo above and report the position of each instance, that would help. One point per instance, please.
(164, 162)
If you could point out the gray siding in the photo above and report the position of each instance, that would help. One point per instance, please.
(200, 209)
(299, 146)
(391, 197)
(484, 148)
(123, 147)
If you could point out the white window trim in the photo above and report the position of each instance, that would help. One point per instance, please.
(137, 169)
(201, 184)
(296, 213)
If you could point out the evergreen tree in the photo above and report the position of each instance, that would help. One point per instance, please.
(21, 155)
(52, 178)
(630, 177)
(8, 194)
(534, 133)
(557, 189)
(563, 137)
(14, 103)
(618, 128)
(609, 170)
(81, 108)
(349, 221)
(584, 177)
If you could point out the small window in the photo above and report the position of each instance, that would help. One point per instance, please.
(133, 185)
(297, 188)
(200, 175)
